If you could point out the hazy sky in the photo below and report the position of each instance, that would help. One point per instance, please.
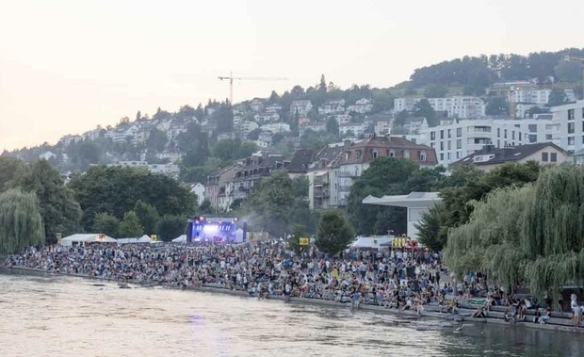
(68, 65)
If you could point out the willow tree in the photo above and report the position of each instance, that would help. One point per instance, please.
(20, 221)
(553, 229)
(490, 242)
(533, 234)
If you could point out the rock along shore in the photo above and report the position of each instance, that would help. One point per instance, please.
(560, 323)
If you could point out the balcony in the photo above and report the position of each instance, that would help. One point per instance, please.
(318, 181)
(348, 174)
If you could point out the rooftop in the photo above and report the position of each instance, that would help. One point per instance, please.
(490, 155)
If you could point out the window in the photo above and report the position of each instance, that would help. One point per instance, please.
(432, 135)
(441, 145)
(448, 156)
(441, 157)
(544, 157)
(459, 131)
(449, 133)
(458, 154)
(441, 134)
(519, 136)
(583, 126)
(548, 136)
(498, 132)
(532, 128)
(392, 153)
(375, 154)
(449, 145)
(422, 156)
(554, 157)
(571, 114)
(571, 128)
(532, 138)
(505, 134)
(513, 135)
(571, 140)
(459, 143)
(358, 154)
(406, 154)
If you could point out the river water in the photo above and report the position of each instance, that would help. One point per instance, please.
(64, 317)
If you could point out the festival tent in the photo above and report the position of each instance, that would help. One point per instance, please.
(181, 239)
(86, 238)
(143, 239)
(370, 242)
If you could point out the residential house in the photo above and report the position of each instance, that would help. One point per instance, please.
(415, 125)
(300, 107)
(535, 95)
(355, 129)
(300, 162)
(257, 104)
(92, 134)
(261, 144)
(266, 136)
(568, 126)
(164, 169)
(491, 157)
(219, 187)
(332, 107)
(248, 126)
(343, 119)
(356, 157)
(226, 136)
(276, 127)
(253, 169)
(362, 106)
(47, 156)
(267, 117)
(320, 176)
(382, 127)
(273, 108)
(199, 190)
(69, 139)
(314, 126)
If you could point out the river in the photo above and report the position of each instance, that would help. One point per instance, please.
(73, 317)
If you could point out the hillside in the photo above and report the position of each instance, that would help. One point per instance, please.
(209, 136)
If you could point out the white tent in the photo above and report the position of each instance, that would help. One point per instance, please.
(143, 239)
(181, 239)
(370, 242)
(86, 238)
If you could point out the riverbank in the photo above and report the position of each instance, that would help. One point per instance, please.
(561, 322)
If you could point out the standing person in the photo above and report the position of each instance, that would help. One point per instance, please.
(356, 299)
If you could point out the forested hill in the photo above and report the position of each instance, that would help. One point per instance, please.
(475, 74)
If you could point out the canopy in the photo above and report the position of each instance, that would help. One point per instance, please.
(370, 242)
(86, 238)
(143, 239)
(181, 239)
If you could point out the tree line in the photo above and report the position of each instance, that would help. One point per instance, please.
(36, 206)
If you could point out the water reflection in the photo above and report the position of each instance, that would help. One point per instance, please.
(72, 317)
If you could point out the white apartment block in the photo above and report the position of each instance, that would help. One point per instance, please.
(459, 107)
(568, 126)
(537, 96)
(356, 129)
(454, 140)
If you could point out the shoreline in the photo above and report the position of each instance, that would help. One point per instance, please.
(463, 316)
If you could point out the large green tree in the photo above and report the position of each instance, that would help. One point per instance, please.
(387, 176)
(170, 227)
(531, 234)
(334, 232)
(130, 226)
(21, 223)
(467, 184)
(148, 216)
(116, 191)
(107, 224)
(60, 211)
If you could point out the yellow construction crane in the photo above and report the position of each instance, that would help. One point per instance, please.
(569, 58)
(230, 78)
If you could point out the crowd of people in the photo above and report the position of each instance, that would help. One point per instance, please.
(400, 279)
(395, 279)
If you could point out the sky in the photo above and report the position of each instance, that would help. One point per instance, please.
(68, 65)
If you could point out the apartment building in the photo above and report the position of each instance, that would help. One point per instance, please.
(456, 139)
(568, 126)
(454, 107)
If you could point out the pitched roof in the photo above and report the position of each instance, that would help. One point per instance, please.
(507, 154)
(300, 161)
